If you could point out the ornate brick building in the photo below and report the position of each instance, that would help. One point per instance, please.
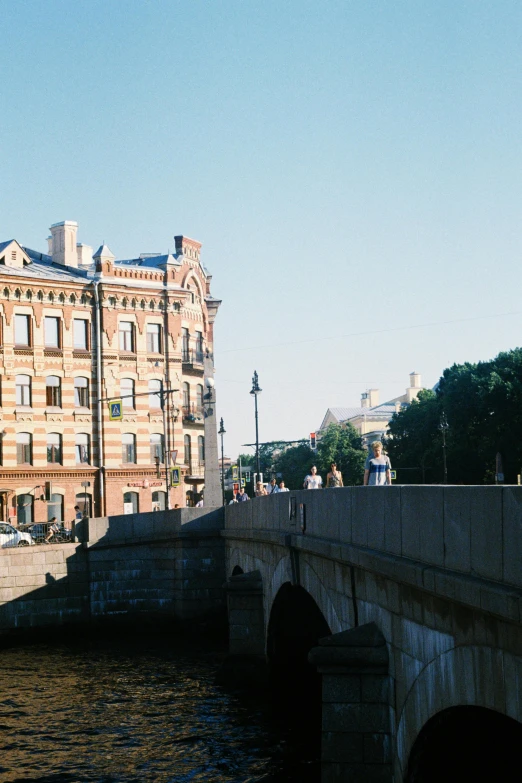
(78, 331)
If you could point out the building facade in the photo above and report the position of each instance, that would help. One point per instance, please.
(371, 419)
(79, 332)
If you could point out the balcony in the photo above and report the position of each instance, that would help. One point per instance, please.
(192, 358)
(193, 414)
(196, 469)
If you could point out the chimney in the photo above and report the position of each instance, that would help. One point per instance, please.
(50, 245)
(64, 243)
(84, 253)
(189, 248)
(374, 397)
(397, 406)
(415, 380)
(365, 400)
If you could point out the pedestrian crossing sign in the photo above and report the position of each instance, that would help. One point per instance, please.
(175, 478)
(115, 410)
(243, 483)
(393, 475)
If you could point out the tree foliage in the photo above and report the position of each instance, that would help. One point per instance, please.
(338, 444)
(482, 405)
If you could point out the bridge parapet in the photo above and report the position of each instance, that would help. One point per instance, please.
(471, 530)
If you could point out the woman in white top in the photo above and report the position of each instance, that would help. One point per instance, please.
(313, 481)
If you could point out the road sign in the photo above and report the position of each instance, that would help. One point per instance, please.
(393, 475)
(86, 484)
(115, 410)
(235, 473)
(175, 477)
(243, 483)
(173, 456)
(235, 489)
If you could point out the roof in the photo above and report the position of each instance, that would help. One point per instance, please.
(159, 260)
(42, 267)
(3, 245)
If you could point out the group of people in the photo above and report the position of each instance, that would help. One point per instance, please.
(377, 472)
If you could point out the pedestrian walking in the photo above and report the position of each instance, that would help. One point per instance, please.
(313, 481)
(334, 478)
(260, 490)
(377, 470)
(282, 488)
(242, 496)
(271, 487)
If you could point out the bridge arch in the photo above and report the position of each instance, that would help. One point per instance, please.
(467, 676)
(466, 743)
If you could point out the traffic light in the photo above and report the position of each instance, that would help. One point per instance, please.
(312, 441)
(48, 490)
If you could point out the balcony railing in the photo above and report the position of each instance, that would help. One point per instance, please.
(196, 467)
(192, 356)
(193, 413)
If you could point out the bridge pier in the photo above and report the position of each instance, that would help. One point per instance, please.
(356, 715)
(246, 661)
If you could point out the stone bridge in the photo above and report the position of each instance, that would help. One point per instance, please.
(407, 601)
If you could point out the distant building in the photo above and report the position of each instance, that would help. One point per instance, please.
(371, 419)
(78, 330)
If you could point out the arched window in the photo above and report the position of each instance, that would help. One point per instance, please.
(55, 508)
(83, 449)
(188, 450)
(84, 503)
(53, 391)
(158, 501)
(81, 392)
(24, 448)
(186, 397)
(128, 445)
(54, 448)
(127, 393)
(155, 386)
(199, 397)
(201, 449)
(156, 447)
(24, 509)
(23, 389)
(131, 503)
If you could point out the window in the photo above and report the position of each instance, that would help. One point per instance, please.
(199, 396)
(84, 502)
(80, 334)
(188, 449)
(186, 395)
(127, 393)
(81, 392)
(51, 332)
(156, 447)
(23, 389)
(24, 450)
(83, 449)
(153, 338)
(201, 450)
(127, 336)
(53, 391)
(154, 398)
(128, 447)
(22, 330)
(131, 503)
(185, 344)
(54, 448)
(199, 346)
(24, 509)
(158, 501)
(55, 508)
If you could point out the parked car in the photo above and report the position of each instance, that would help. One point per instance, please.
(37, 531)
(10, 536)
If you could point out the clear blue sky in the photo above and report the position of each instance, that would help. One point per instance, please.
(350, 167)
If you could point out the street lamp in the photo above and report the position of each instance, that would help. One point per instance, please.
(221, 432)
(208, 399)
(254, 392)
(444, 427)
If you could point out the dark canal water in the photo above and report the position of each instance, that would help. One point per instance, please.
(121, 710)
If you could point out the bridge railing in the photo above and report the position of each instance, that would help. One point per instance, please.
(474, 530)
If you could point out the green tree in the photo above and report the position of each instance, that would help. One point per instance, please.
(292, 465)
(414, 441)
(342, 445)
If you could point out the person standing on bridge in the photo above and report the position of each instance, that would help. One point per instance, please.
(377, 471)
(313, 481)
(334, 478)
(242, 496)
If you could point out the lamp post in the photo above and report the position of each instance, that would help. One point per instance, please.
(254, 392)
(444, 426)
(221, 432)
